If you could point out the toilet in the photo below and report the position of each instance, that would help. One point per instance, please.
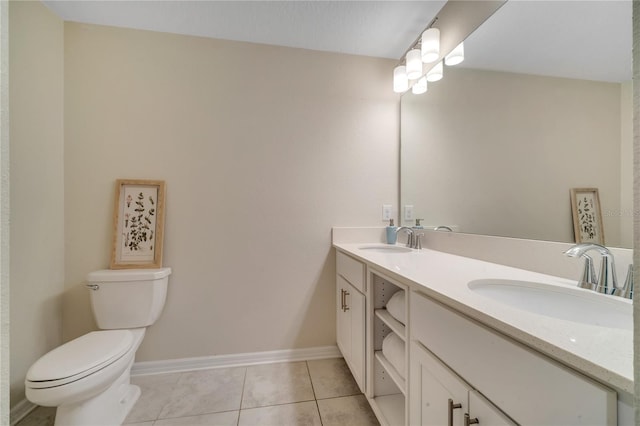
(88, 378)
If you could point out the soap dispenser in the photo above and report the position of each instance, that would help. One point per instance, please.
(417, 225)
(392, 235)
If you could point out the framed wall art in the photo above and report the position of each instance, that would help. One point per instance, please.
(587, 216)
(138, 224)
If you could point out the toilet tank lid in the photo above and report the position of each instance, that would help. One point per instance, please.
(128, 274)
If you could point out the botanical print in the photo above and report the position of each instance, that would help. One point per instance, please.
(587, 217)
(138, 223)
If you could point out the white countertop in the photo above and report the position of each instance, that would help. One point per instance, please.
(605, 354)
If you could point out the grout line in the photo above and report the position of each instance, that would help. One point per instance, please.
(244, 382)
(313, 389)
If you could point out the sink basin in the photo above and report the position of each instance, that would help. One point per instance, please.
(386, 249)
(565, 303)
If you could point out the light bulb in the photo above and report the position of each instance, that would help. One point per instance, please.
(430, 45)
(420, 86)
(456, 56)
(414, 64)
(435, 73)
(400, 79)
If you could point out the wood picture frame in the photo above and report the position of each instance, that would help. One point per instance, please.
(138, 224)
(587, 216)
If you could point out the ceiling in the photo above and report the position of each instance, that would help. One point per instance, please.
(578, 38)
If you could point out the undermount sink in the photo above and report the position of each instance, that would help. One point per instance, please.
(565, 303)
(386, 248)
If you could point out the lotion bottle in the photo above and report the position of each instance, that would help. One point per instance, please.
(392, 235)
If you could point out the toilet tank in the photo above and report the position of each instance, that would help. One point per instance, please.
(127, 298)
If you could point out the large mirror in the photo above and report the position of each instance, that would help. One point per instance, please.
(541, 104)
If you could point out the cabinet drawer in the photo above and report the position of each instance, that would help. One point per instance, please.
(351, 270)
(533, 389)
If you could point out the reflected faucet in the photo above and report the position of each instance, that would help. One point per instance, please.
(606, 282)
(443, 228)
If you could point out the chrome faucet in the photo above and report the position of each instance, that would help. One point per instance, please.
(413, 240)
(606, 282)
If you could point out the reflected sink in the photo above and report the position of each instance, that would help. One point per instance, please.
(386, 249)
(565, 303)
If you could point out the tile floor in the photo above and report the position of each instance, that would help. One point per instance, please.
(320, 392)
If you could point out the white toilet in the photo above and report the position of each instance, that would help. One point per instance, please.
(88, 378)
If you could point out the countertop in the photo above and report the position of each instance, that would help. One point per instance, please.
(603, 353)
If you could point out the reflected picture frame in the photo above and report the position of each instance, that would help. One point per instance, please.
(138, 224)
(587, 216)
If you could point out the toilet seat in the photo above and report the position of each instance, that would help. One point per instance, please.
(79, 358)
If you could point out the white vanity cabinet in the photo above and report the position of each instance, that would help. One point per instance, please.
(439, 397)
(530, 388)
(350, 314)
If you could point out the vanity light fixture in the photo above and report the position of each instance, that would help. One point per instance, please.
(435, 73)
(400, 79)
(456, 56)
(430, 45)
(420, 86)
(414, 64)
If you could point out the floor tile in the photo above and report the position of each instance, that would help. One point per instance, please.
(206, 391)
(332, 378)
(156, 393)
(297, 414)
(348, 410)
(41, 416)
(228, 418)
(277, 384)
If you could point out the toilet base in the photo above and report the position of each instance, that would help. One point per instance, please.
(108, 408)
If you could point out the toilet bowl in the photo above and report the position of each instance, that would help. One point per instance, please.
(88, 378)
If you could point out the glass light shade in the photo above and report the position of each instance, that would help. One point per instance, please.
(456, 56)
(435, 73)
(400, 79)
(414, 64)
(430, 45)
(420, 86)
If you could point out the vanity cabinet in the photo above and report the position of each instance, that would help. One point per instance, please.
(530, 388)
(350, 314)
(440, 397)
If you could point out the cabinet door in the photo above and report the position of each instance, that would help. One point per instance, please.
(343, 318)
(434, 391)
(356, 304)
(485, 412)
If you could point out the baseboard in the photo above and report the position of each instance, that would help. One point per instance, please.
(20, 411)
(235, 360)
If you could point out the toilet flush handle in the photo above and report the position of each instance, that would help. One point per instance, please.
(93, 287)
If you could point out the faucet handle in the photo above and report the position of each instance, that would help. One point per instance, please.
(417, 243)
(607, 282)
(627, 289)
(588, 279)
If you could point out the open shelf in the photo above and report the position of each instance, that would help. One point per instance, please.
(390, 369)
(395, 325)
(390, 408)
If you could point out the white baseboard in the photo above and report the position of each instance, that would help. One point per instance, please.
(235, 360)
(20, 411)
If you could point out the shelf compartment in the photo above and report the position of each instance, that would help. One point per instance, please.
(395, 325)
(391, 371)
(390, 408)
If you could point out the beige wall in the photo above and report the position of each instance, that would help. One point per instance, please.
(496, 153)
(263, 149)
(37, 186)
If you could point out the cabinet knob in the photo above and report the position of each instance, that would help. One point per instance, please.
(470, 421)
(452, 407)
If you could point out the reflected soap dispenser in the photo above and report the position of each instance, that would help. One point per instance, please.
(417, 225)
(392, 234)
